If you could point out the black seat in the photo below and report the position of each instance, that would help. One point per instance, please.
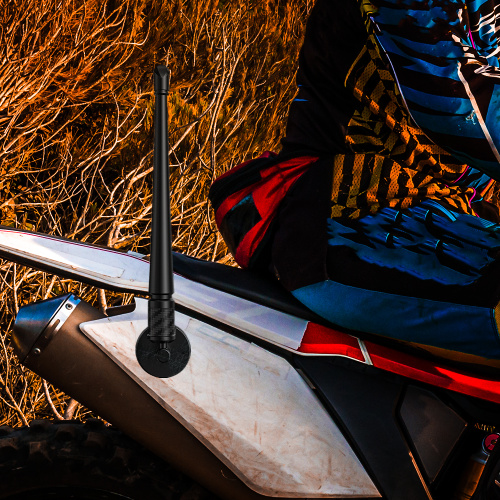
(259, 288)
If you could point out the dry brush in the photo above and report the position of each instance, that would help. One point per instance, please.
(76, 133)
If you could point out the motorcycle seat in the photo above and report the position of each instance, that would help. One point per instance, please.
(260, 288)
(265, 290)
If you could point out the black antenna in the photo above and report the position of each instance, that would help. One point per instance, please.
(162, 349)
(161, 282)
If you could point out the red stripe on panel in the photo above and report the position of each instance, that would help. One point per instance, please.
(477, 385)
(320, 339)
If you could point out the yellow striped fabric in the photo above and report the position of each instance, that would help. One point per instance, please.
(392, 163)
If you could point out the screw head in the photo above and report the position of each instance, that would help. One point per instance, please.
(69, 306)
(163, 355)
(37, 351)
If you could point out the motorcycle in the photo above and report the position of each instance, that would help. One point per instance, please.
(246, 392)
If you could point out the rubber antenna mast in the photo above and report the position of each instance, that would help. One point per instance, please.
(161, 282)
(162, 350)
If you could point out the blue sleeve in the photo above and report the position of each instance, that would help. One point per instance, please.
(445, 58)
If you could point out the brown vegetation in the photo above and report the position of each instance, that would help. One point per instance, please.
(76, 132)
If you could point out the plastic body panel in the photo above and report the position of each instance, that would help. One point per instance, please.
(128, 272)
(116, 270)
(433, 428)
(368, 404)
(250, 407)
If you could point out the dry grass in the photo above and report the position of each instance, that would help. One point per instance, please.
(76, 133)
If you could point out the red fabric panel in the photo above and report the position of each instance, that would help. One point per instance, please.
(267, 195)
(230, 202)
(276, 181)
(265, 192)
(235, 198)
(250, 242)
(319, 339)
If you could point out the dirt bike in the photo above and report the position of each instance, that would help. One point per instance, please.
(246, 392)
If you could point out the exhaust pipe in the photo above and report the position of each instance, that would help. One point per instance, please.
(47, 340)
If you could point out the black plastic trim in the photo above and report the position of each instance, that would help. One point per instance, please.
(364, 405)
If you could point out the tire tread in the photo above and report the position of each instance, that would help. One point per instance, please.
(46, 453)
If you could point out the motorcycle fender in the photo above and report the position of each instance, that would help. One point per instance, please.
(96, 265)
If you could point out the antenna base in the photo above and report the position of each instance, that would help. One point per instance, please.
(161, 320)
(161, 359)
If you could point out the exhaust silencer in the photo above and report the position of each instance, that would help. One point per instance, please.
(37, 324)
(47, 339)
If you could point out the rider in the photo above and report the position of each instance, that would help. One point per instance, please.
(389, 230)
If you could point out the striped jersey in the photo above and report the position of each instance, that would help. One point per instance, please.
(413, 115)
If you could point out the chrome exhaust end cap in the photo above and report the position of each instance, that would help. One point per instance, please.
(37, 323)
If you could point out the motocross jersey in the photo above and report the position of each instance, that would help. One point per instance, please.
(392, 101)
(398, 103)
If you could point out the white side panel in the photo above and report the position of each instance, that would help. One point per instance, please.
(250, 407)
(259, 321)
(102, 264)
(119, 269)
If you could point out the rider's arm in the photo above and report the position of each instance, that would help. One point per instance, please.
(448, 75)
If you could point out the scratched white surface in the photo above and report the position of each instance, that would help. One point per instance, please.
(250, 407)
(132, 273)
